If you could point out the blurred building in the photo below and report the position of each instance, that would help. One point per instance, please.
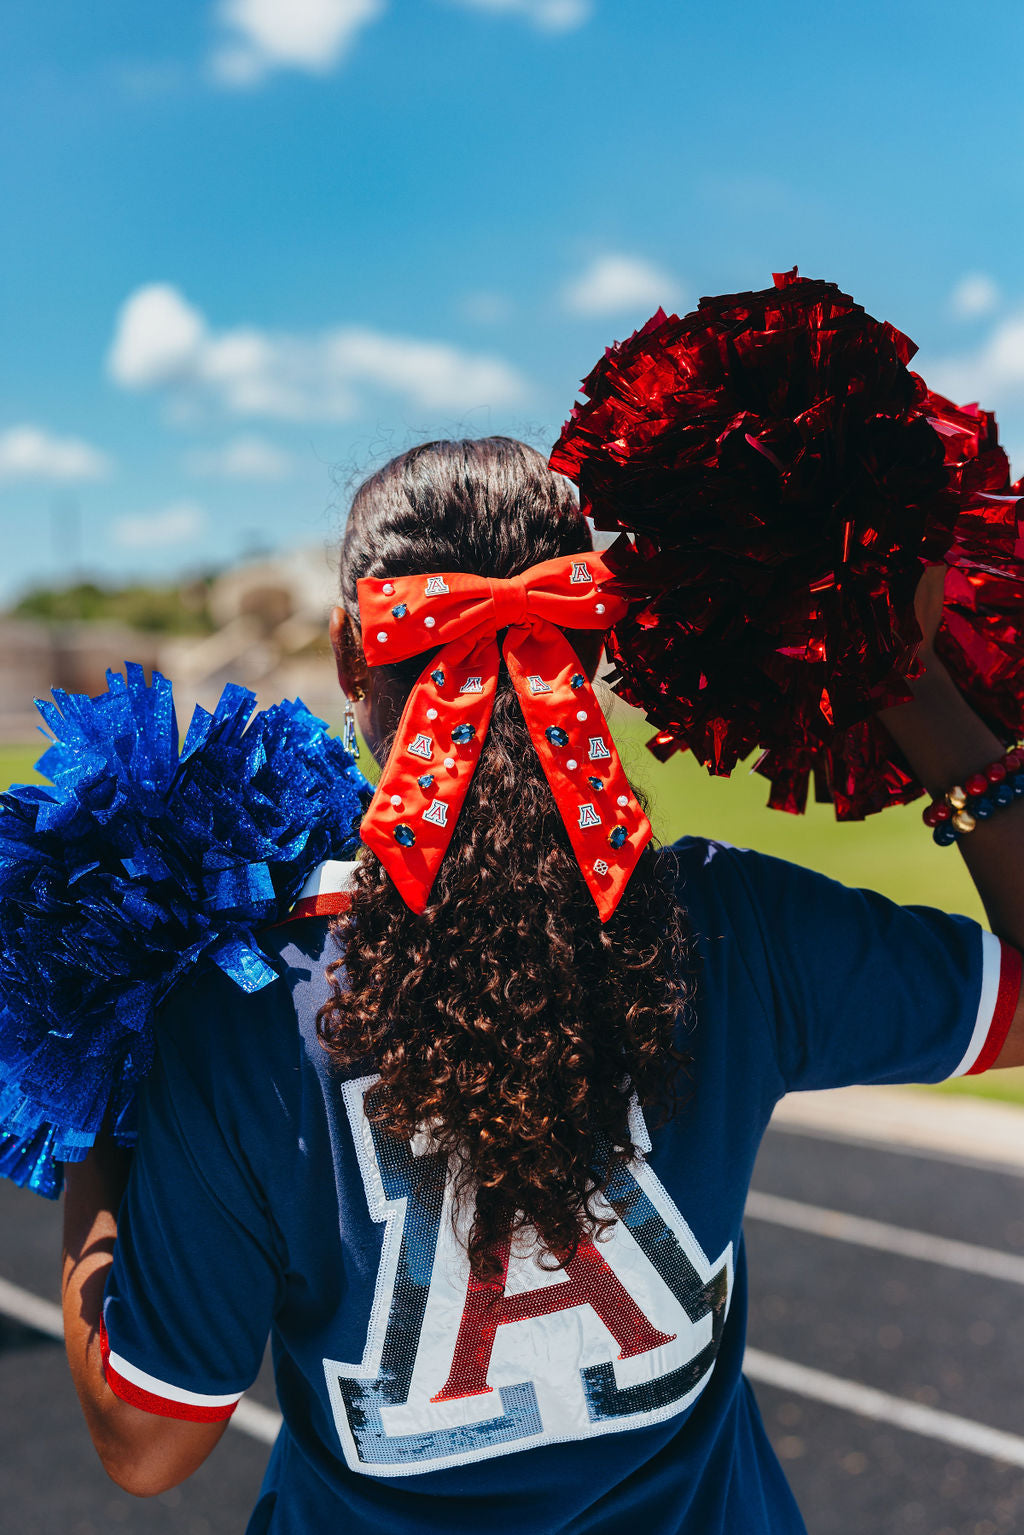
(270, 634)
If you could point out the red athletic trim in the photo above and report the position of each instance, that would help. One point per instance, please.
(162, 1406)
(1010, 967)
(328, 905)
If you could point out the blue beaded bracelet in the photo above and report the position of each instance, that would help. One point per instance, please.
(957, 814)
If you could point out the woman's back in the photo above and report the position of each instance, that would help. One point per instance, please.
(419, 1396)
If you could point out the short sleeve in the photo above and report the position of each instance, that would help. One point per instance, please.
(196, 1273)
(864, 990)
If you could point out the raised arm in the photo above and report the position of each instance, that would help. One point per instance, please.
(945, 742)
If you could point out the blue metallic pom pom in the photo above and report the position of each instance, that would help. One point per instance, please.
(425, 780)
(463, 733)
(595, 783)
(438, 677)
(557, 736)
(577, 680)
(404, 835)
(982, 808)
(617, 836)
(400, 609)
(1003, 794)
(139, 863)
(944, 834)
(1018, 785)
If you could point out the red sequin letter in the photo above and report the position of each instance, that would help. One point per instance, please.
(589, 1282)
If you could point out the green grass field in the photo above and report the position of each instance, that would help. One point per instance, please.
(892, 853)
(16, 763)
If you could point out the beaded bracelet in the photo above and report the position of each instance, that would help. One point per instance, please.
(958, 812)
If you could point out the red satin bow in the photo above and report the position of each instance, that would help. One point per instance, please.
(413, 813)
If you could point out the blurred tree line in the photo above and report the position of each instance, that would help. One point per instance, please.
(177, 608)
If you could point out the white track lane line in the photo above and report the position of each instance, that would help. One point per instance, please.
(840, 1227)
(30, 1310)
(866, 1402)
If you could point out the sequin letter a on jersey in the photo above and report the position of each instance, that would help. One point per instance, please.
(625, 1336)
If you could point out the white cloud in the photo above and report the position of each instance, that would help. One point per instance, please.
(242, 458)
(30, 453)
(309, 35)
(157, 338)
(548, 15)
(179, 523)
(162, 341)
(993, 374)
(614, 284)
(975, 295)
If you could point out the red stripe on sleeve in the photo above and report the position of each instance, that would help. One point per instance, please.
(329, 905)
(162, 1406)
(1006, 1005)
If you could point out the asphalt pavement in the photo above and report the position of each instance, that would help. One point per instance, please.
(920, 1296)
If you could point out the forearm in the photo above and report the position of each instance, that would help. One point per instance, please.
(92, 1194)
(945, 741)
(143, 1453)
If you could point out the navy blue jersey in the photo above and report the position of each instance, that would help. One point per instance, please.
(262, 1202)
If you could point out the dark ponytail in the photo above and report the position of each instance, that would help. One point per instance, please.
(505, 1017)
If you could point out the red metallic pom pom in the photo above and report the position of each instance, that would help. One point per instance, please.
(783, 476)
(976, 784)
(930, 815)
(981, 640)
(943, 812)
(1013, 761)
(772, 459)
(996, 773)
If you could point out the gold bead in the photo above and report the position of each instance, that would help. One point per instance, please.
(964, 821)
(957, 798)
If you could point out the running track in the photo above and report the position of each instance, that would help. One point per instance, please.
(886, 1345)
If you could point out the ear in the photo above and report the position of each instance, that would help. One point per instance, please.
(348, 654)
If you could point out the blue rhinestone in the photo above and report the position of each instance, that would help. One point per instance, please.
(595, 783)
(426, 780)
(982, 808)
(944, 834)
(557, 736)
(1003, 794)
(577, 680)
(617, 836)
(404, 835)
(400, 609)
(463, 733)
(438, 677)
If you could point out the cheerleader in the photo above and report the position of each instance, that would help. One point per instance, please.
(476, 1160)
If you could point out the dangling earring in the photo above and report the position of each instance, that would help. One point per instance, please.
(348, 730)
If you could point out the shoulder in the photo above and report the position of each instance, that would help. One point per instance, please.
(230, 1040)
(706, 872)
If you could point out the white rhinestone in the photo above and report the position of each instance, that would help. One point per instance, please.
(382, 636)
(572, 763)
(388, 588)
(449, 762)
(581, 714)
(431, 714)
(623, 799)
(396, 800)
(430, 620)
(599, 607)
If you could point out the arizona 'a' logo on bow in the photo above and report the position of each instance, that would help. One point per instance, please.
(453, 1371)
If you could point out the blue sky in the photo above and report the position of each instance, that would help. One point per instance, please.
(250, 248)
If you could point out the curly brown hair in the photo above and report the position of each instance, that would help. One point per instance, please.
(506, 1017)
